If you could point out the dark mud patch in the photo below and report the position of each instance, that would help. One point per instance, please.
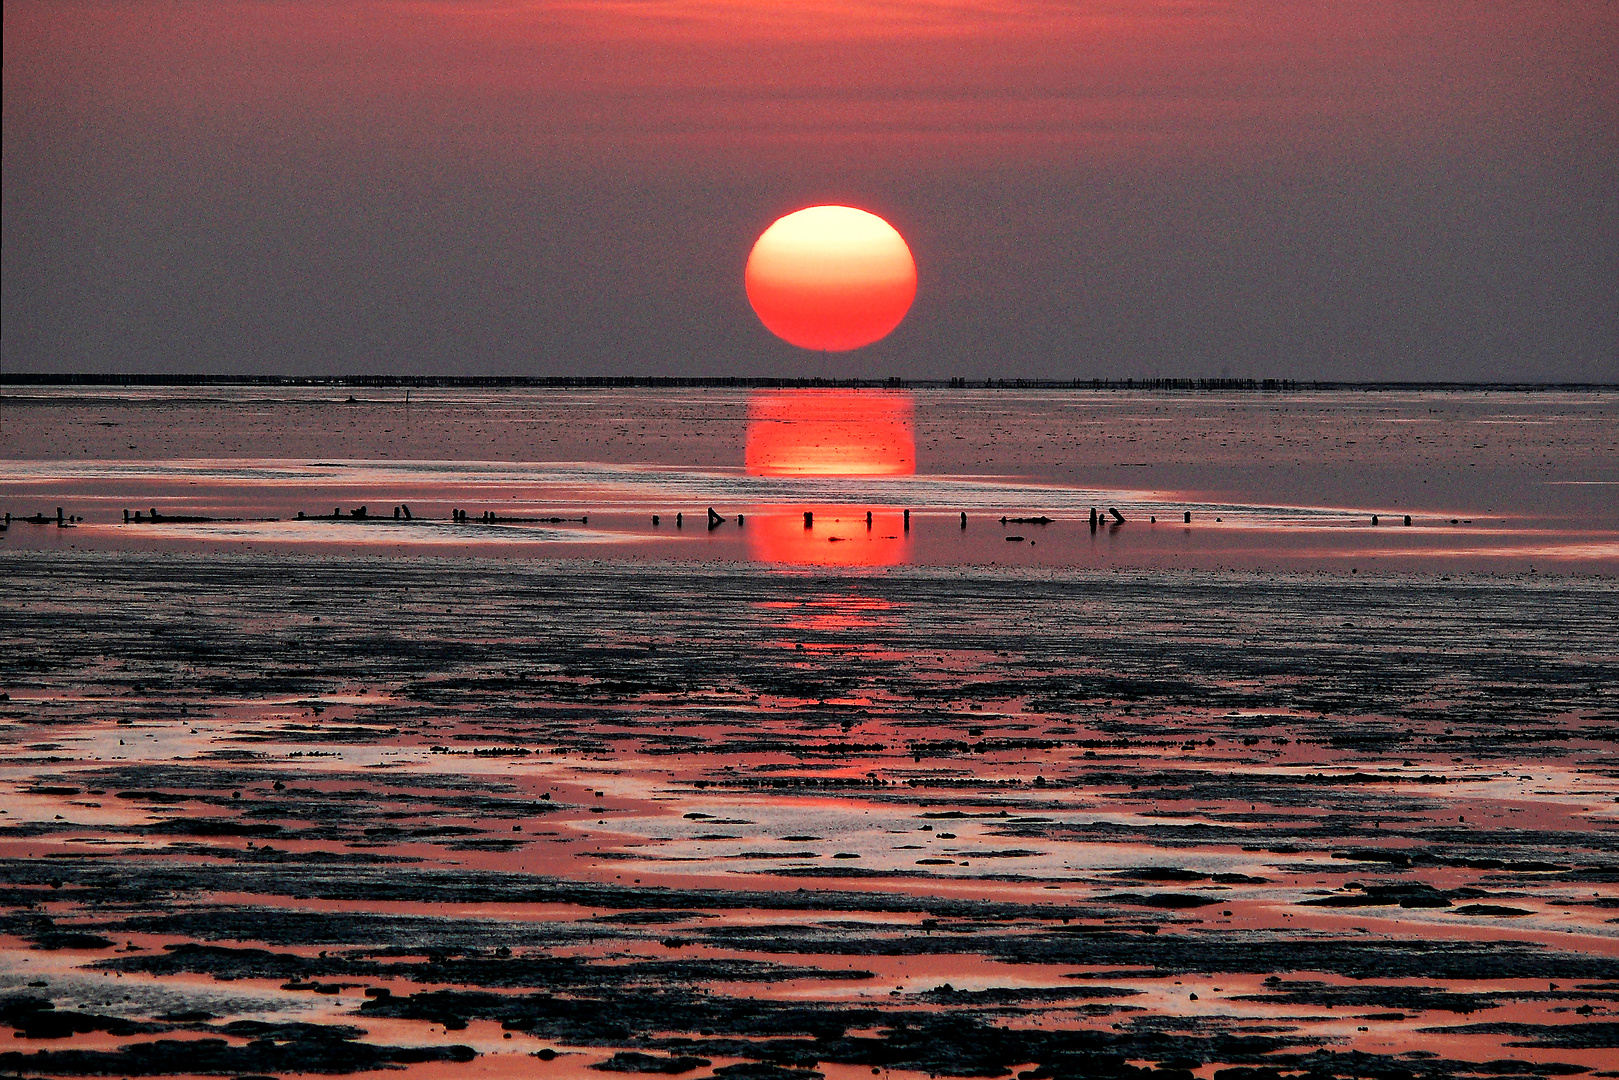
(1492, 911)
(631, 1061)
(310, 1052)
(38, 1018)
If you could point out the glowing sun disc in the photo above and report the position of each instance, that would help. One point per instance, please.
(830, 277)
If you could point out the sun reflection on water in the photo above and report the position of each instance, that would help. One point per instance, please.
(831, 433)
(830, 536)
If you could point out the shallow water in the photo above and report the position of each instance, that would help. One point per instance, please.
(1491, 482)
(327, 796)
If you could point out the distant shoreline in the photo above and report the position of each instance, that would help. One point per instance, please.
(591, 382)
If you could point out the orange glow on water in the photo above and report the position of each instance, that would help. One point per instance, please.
(837, 536)
(831, 433)
(831, 277)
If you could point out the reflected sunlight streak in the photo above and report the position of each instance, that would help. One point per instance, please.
(831, 433)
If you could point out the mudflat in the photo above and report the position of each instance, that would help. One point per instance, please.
(1289, 794)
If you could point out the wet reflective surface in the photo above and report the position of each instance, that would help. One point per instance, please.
(831, 433)
(1490, 482)
(780, 798)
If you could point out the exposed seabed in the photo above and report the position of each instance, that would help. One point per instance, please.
(660, 806)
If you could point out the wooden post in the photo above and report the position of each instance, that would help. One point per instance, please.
(809, 519)
(1188, 518)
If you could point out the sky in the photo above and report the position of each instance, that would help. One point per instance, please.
(1311, 189)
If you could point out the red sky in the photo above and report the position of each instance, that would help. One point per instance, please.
(1153, 187)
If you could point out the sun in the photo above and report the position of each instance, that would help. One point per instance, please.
(831, 278)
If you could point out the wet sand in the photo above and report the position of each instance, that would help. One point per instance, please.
(716, 804)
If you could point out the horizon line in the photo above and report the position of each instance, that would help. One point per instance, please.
(587, 382)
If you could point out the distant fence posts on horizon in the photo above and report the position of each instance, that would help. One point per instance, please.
(893, 382)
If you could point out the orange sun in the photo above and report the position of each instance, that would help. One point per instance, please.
(831, 277)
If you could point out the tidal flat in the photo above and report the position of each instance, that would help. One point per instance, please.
(692, 807)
